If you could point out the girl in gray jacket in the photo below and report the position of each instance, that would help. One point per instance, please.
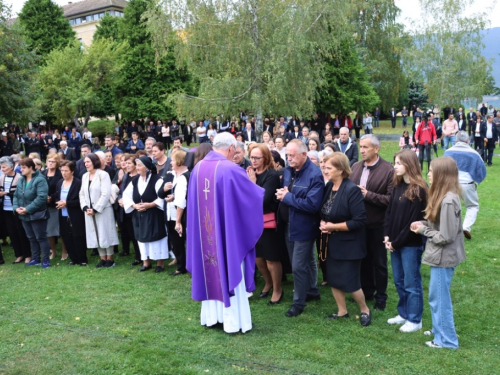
(444, 249)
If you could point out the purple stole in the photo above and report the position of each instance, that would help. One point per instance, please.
(205, 186)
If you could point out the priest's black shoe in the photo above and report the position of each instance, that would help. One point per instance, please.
(311, 297)
(177, 273)
(293, 312)
(144, 268)
(136, 263)
(159, 269)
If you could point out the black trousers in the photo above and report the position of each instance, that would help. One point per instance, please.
(127, 234)
(393, 122)
(74, 240)
(188, 139)
(17, 235)
(357, 130)
(374, 273)
(479, 146)
(488, 151)
(178, 245)
(427, 148)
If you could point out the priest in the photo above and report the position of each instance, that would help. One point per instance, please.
(224, 222)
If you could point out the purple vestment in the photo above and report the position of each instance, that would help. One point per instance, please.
(224, 222)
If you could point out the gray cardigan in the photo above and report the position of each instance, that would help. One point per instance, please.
(445, 240)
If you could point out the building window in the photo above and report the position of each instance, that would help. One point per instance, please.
(88, 18)
(78, 21)
(95, 16)
(72, 21)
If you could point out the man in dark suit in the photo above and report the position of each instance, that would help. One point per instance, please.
(393, 117)
(483, 110)
(471, 120)
(32, 144)
(490, 136)
(452, 111)
(376, 118)
(187, 131)
(249, 134)
(446, 111)
(68, 151)
(80, 165)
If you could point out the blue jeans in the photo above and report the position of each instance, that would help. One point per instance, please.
(406, 272)
(447, 140)
(376, 122)
(304, 269)
(443, 325)
(36, 231)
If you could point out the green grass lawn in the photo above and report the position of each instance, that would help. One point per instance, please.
(77, 320)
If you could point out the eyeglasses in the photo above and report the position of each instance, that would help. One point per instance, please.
(256, 158)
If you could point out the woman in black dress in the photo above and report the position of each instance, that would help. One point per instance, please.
(343, 243)
(269, 246)
(71, 216)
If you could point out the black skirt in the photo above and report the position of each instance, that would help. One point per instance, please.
(344, 274)
(271, 245)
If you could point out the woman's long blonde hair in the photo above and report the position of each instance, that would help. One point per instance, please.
(444, 180)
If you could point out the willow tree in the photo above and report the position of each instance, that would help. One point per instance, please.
(264, 56)
(447, 55)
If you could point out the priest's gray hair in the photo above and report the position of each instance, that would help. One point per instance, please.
(63, 143)
(223, 141)
(461, 136)
(7, 160)
(373, 139)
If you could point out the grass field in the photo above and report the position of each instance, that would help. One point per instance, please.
(77, 320)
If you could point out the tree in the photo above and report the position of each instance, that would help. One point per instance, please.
(347, 85)
(382, 41)
(45, 26)
(448, 55)
(145, 85)
(263, 55)
(108, 28)
(17, 72)
(105, 103)
(417, 95)
(72, 77)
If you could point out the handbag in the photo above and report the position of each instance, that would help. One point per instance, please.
(39, 215)
(270, 220)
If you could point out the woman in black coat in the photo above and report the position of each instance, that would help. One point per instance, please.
(71, 217)
(343, 244)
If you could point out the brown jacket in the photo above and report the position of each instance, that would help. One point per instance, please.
(379, 186)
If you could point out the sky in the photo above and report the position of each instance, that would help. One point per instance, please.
(410, 9)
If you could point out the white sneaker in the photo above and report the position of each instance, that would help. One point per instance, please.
(411, 327)
(428, 333)
(432, 344)
(397, 320)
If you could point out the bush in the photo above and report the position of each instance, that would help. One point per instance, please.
(101, 128)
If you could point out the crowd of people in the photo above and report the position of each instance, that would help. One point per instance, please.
(326, 199)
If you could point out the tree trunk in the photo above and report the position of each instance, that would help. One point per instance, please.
(75, 118)
(87, 115)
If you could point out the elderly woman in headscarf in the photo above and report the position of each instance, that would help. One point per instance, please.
(150, 231)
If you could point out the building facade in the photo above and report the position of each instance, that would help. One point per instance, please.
(84, 16)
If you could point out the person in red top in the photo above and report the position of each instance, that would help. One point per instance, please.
(424, 138)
